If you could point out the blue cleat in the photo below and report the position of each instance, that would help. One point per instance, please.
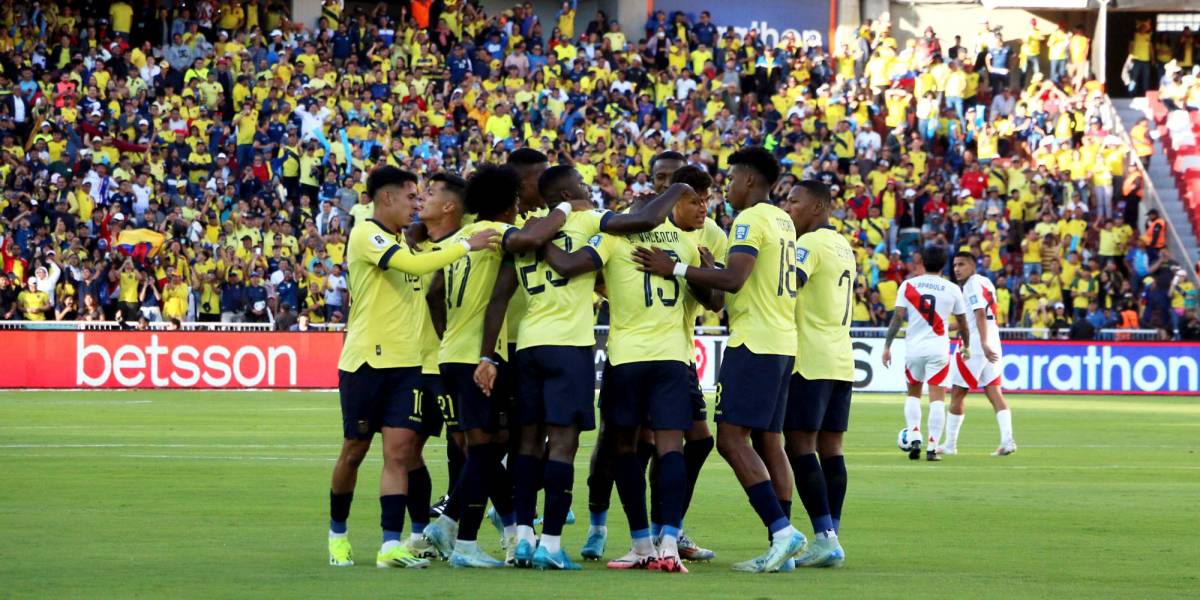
(544, 560)
(440, 534)
(470, 556)
(789, 565)
(523, 555)
(497, 522)
(782, 550)
(822, 552)
(593, 549)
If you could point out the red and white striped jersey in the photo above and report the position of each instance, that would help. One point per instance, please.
(980, 293)
(929, 300)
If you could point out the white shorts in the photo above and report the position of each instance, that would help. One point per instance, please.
(926, 369)
(976, 373)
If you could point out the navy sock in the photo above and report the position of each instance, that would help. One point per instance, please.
(600, 484)
(525, 471)
(834, 468)
(766, 504)
(454, 505)
(694, 455)
(631, 486)
(786, 506)
(559, 481)
(455, 459)
(391, 515)
(810, 483)
(645, 453)
(477, 474)
(339, 510)
(672, 481)
(501, 488)
(420, 488)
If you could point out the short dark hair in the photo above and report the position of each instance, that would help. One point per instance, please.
(818, 191)
(759, 159)
(453, 183)
(553, 178)
(388, 175)
(694, 176)
(668, 155)
(525, 157)
(934, 259)
(491, 190)
(965, 254)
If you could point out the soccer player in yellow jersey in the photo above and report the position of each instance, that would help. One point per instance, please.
(379, 372)
(760, 282)
(554, 358)
(459, 298)
(818, 409)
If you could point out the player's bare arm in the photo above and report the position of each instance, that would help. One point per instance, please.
(964, 334)
(981, 323)
(535, 233)
(709, 298)
(493, 320)
(435, 298)
(729, 279)
(651, 214)
(893, 329)
(570, 264)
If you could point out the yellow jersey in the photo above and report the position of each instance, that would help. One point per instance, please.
(430, 343)
(384, 328)
(710, 236)
(761, 313)
(644, 309)
(468, 288)
(517, 304)
(128, 288)
(826, 271)
(557, 309)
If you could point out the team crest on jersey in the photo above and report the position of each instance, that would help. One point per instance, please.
(379, 241)
(595, 240)
(741, 232)
(801, 255)
(973, 300)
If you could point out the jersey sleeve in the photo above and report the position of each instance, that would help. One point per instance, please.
(600, 247)
(747, 234)
(383, 251)
(974, 296)
(808, 257)
(594, 221)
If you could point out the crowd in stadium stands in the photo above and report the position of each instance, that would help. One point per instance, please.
(205, 163)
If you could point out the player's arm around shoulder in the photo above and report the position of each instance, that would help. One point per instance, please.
(591, 257)
(650, 215)
(536, 232)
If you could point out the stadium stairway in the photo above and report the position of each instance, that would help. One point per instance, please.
(1163, 179)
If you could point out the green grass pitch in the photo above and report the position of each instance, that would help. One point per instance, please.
(197, 494)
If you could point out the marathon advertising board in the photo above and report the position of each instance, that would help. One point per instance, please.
(204, 360)
(809, 21)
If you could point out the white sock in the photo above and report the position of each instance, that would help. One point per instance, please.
(643, 546)
(551, 542)
(783, 534)
(828, 534)
(525, 532)
(937, 422)
(953, 424)
(388, 545)
(669, 546)
(510, 531)
(598, 529)
(465, 546)
(332, 534)
(912, 413)
(1004, 419)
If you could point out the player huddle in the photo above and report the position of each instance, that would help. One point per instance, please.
(480, 318)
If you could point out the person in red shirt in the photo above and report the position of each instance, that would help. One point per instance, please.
(860, 202)
(936, 205)
(973, 180)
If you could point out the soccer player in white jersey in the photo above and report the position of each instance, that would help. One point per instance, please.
(927, 301)
(981, 367)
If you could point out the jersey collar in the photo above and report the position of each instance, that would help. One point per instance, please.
(447, 236)
(381, 225)
(829, 227)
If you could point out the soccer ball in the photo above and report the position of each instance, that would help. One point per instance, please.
(908, 439)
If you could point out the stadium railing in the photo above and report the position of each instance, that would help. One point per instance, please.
(1009, 333)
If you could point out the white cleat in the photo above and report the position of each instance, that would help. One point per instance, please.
(947, 450)
(1006, 448)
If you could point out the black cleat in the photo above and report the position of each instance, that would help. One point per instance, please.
(439, 507)
(914, 451)
(932, 456)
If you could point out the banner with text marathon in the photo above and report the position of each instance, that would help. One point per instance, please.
(203, 360)
(809, 21)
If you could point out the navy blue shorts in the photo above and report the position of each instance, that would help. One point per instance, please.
(752, 389)
(469, 407)
(434, 409)
(556, 386)
(817, 404)
(376, 398)
(654, 393)
(696, 394)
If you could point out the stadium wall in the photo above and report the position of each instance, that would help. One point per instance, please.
(196, 360)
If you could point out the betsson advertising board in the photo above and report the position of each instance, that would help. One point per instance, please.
(114, 360)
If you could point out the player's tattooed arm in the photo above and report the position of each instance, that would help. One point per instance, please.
(964, 335)
(650, 215)
(435, 298)
(729, 279)
(493, 320)
(893, 329)
(535, 233)
(981, 323)
(573, 263)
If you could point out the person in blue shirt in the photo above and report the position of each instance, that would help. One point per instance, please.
(704, 31)
(342, 45)
(459, 64)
